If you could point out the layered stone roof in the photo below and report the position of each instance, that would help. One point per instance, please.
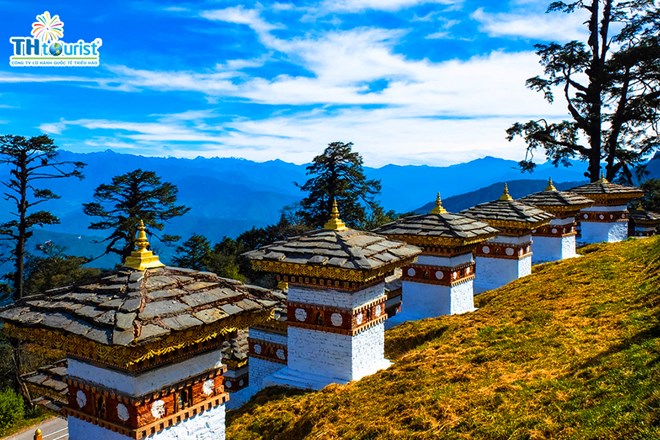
(555, 201)
(129, 307)
(604, 191)
(439, 227)
(642, 217)
(345, 254)
(508, 214)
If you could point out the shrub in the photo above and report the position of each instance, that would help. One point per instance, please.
(12, 408)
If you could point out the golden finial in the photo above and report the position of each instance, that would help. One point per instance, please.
(38, 434)
(551, 186)
(335, 223)
(439, 209)
(639, 206)
(506, 196)
(283, 286)
(141, 258)
(602, 178)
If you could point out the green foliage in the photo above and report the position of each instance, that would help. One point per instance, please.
(651, 199)
(338, 175)
(54, 268)
(12, 408)
(194, 253)
(31, 160)
(611, 84)
(131, 197)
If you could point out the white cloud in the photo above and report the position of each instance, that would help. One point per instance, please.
(383, 5)
(540, 26)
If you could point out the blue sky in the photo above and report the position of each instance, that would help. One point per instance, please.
(407, 81)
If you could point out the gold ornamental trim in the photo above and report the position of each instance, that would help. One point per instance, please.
(325, 272)
(514, 227)
(434, 241)
(132, 358)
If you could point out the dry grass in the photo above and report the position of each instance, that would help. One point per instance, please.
(569, 352)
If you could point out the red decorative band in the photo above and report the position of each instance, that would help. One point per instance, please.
(268, 351)
(439, 275)
(507, 251)
(139, 417)
(557, 231)
(603, 216)
(336, 320)
(233, 384)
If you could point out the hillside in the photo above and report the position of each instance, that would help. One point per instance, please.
(569, 352)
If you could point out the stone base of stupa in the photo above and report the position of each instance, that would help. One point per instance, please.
(497, 272)
(553, 248)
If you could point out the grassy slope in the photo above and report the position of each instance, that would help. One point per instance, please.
(569, 352)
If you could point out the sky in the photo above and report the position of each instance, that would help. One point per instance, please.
(432, 82)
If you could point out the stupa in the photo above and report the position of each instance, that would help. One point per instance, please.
(440, 282)
(556, 241)
(644, 223)
(143, 346)
(607, 219)
(335, 302)
(507, 256)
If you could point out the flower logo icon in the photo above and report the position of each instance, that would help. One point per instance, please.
(48, 28)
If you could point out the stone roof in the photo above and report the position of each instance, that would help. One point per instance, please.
(604, 188)
(49, 380)
(642, 216)
(445, 225)
(342, 249)
(235, 349)
(508, 213)
(129, 307)
(550, 199)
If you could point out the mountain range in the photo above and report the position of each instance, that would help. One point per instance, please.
(229, 195)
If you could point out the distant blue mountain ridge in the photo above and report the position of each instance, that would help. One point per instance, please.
(228, 195)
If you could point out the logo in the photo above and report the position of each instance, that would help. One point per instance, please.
(46, 49)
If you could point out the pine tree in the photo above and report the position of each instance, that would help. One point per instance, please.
(338, 175)
(31, 161)
(611, 85)
(194, 253)
(131, 197)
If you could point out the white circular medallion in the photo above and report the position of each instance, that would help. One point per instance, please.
(601, 216)
(439, 274)
(467, 270)
(257, 348)
(358, 318)
(411, 272)
(241, 382)
(81, 399)
(509, 251)
(585, 216)
(336, 319)
(486, 250)
(122, 412)
(208, 387)
(554, 230)
(379, 310)
(301, 314)
(228, 384)
(280, 354)
(158, 409)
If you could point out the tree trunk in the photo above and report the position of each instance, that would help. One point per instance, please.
(22, 177)
(593, 94)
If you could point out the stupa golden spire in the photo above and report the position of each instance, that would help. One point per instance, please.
(602, 178)
(141, 258)
(335, 223)
(505, 195)
(551, 186)
(439, 209)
